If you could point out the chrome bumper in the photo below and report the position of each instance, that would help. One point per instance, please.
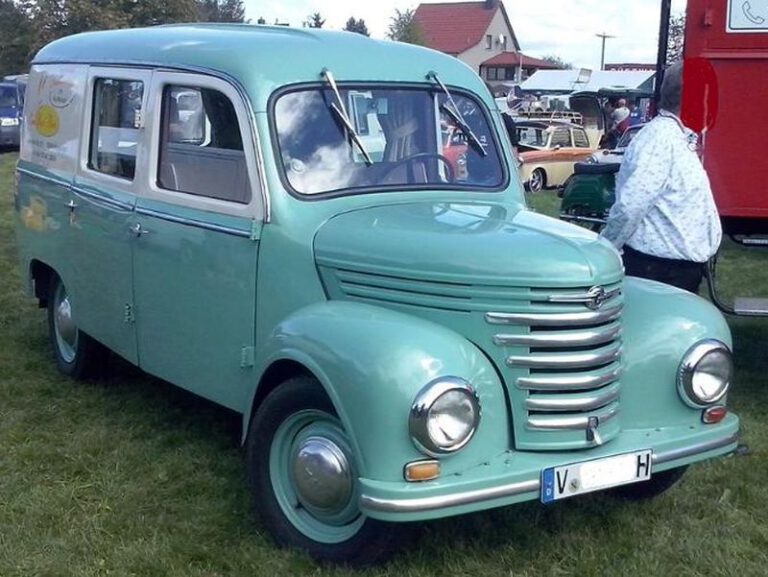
(511, 490)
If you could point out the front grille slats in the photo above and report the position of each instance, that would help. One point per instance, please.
(566, 363)
(573, 423)
(563, 403)
(575, 319)
(565, 383)
(581, 338)
(557, 361)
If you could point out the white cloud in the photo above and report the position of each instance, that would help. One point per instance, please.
(564, 28)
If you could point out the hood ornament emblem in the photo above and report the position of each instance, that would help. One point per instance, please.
(593, 299)
(596, 296)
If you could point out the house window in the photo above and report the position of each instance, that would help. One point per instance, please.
(488, 41)
(490, 73)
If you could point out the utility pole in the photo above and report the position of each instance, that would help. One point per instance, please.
(604, 36)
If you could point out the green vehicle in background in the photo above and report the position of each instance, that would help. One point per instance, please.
(290, 238)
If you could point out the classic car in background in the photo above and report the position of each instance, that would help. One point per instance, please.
(590, 192)
(548, 151)
(616, 154)
(455, 150)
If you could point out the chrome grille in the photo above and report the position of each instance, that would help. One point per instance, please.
(564, 360)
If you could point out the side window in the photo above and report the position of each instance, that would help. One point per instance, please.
(115, 126)
(580, 139)
(562, 137)
(201, 146)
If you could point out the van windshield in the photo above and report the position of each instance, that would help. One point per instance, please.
(405, 138)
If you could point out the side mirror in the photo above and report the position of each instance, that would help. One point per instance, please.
(557, 147)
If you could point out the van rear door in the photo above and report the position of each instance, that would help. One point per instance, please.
(104, 194)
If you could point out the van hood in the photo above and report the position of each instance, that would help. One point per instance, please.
(467, 243)
(8, 112)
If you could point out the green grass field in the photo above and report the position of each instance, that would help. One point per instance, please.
(129, 476)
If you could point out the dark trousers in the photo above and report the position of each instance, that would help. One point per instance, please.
(683, 274)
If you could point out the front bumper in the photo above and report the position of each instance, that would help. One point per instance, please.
(513, 477)
(10, 135)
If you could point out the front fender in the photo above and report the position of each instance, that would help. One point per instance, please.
(660, 324)
(372, 362)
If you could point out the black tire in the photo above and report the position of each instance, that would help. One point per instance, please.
(77, 355)
(653, 487)
(292, 417)
(538, 180)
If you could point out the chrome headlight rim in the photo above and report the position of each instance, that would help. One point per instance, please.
(687, 371)
(425, 400)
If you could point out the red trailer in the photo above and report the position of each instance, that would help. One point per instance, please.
(725, 95)
(725, 98)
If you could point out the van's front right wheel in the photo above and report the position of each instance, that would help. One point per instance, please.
(303, 476)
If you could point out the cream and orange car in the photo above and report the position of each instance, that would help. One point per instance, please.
(548, 151)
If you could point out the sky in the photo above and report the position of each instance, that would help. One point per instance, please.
(564, 28)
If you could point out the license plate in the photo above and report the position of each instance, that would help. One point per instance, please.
(587, 476)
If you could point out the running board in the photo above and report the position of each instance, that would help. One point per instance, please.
(755, 307)
(742, 306)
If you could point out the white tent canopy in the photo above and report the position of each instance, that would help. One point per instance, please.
(566, 81)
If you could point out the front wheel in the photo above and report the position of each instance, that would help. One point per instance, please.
(77, 355)
(303, 476)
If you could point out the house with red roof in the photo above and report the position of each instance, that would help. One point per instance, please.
(481, 35)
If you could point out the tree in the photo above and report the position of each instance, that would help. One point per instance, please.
(354, 25)
(220, 10)
(16, 38)
(404, 28)
(557, 62)
(676, 39)
(52, 19)
(315, 21)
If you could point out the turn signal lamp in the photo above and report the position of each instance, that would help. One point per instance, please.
(714, 414)
(422, 471)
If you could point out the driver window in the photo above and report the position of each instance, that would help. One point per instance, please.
(201, 145)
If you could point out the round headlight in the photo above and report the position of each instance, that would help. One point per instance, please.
(705, 373)
(444, 416)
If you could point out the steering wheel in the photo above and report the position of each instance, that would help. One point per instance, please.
(421, 157)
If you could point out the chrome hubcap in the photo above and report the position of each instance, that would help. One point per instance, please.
(322, 476)
(66, 330)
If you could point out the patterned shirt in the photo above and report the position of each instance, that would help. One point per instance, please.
(664, 205)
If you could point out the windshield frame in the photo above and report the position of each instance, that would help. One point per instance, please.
(430, 88)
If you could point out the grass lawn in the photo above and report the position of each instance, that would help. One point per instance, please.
(129, 476)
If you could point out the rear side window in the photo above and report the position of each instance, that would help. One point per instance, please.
(580, 139)
(201, 145)
(115, 126)
(562, 137)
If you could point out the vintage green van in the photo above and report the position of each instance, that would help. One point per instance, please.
(269, 218)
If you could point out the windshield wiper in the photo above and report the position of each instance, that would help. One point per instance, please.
(341, 113)
(456, 116)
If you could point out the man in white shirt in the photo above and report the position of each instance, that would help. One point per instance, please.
(619, 114)
(664, 218)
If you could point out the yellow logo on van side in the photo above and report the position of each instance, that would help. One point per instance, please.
(35, 215)
(47, 120)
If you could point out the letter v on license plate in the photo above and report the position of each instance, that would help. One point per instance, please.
(587, 476)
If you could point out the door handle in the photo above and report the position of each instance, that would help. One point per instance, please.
(138, 231)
